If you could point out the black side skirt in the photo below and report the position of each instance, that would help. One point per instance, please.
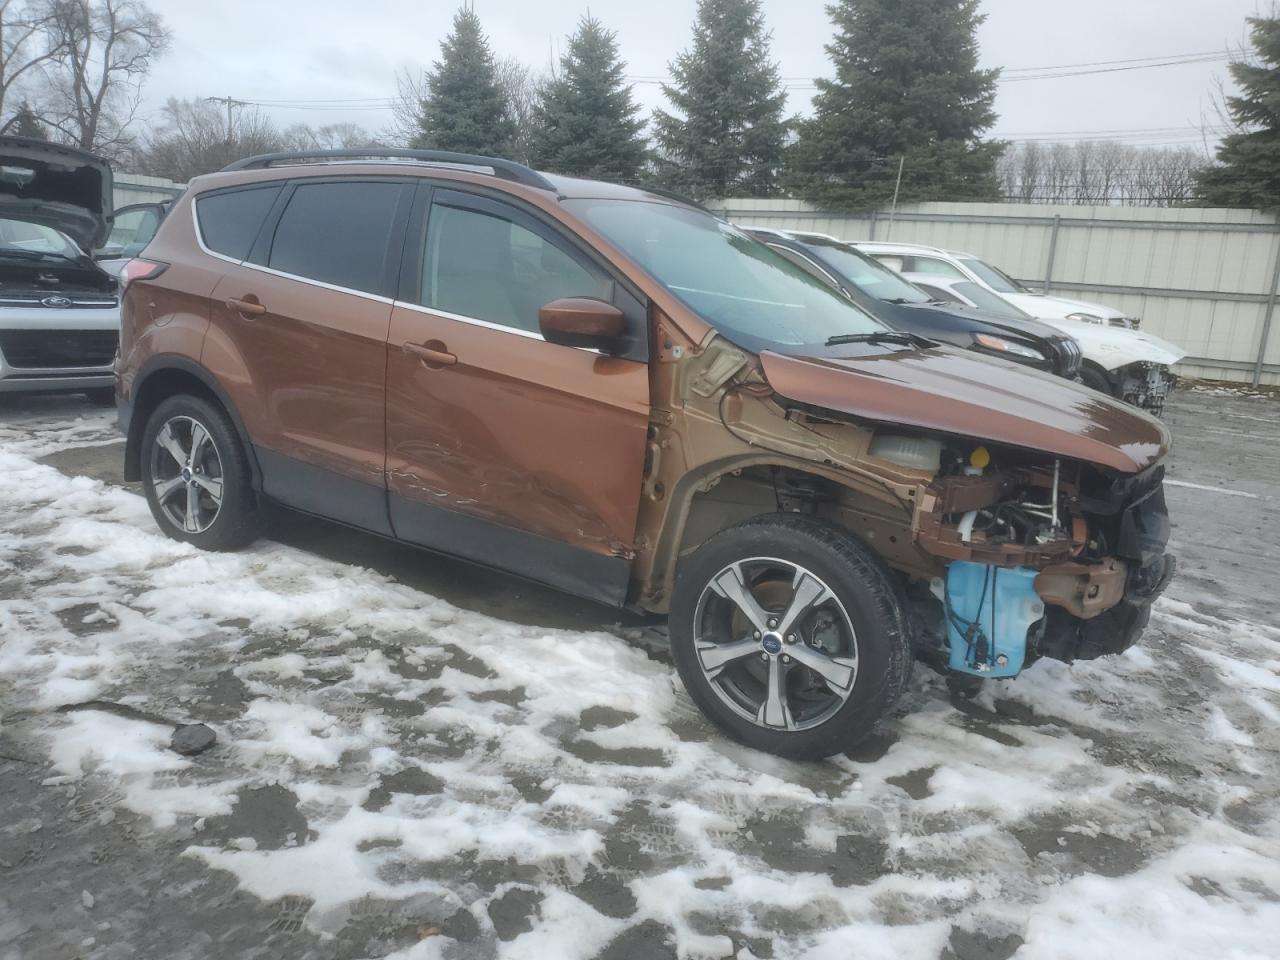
(583, 573)
(313, 489)
(326, 494)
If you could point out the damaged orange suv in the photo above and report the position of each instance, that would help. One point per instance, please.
(613, 392)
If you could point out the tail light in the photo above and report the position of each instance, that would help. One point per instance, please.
(139, 269)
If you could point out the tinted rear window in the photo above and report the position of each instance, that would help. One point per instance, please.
(230, 221)
(337, 233)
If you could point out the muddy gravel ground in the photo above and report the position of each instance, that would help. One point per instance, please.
(416, 758)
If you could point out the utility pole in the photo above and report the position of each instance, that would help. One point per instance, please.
(897, 184)
(230, 102)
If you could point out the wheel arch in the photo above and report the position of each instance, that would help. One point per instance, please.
(692, 515)
(1096, 368)
(169, 375)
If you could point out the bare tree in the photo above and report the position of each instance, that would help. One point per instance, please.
(194, 138)
(332, 136)
(27, 43)
(411, 90)
(105, 48)
(1100, 172)
(523, 90)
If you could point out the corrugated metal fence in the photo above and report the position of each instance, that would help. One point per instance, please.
(1204, 278)
(135, 188)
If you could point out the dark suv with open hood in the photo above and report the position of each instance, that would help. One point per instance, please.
(616, 393)
(59, 314)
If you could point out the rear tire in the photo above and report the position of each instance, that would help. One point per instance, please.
(196, 475)
(1093, 378)
(834, 650)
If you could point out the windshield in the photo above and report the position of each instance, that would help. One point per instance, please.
(995, 279)
(756, 298)
(21, 237)
(984, 299)
(869, 276)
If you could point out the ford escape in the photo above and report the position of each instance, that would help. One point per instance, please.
(615, 393)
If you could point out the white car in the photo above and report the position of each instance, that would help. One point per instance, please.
(59, 311)
(1118, 359)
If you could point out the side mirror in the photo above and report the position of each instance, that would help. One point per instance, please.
(581, 322)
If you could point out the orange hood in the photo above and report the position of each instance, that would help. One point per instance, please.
(950, 391)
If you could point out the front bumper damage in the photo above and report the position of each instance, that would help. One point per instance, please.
(1145, 385)
(1139, 519)
(1084, 594)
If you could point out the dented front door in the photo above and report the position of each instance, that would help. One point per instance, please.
(502, 447)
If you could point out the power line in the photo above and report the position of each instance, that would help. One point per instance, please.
(1110, 63)
(1023, 74)
(1098, 70)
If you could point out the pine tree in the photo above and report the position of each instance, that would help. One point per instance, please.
(729, 138)
(464, 108)
(27, 124)
(586, 122)
(1248, 170)
(907, 87)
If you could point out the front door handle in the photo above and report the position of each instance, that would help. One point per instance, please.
(246, 307)
(432, 353)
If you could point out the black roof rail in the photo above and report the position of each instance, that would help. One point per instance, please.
(506, 169)
(678, 197)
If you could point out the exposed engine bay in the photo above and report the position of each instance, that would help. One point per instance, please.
(1062, 562)
(1046, 540)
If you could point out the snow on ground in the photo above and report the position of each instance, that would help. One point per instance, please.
(520, 792)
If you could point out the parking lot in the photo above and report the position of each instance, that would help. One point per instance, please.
(418, 758)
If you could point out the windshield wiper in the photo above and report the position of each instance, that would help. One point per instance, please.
(880, 336)
(898, 301)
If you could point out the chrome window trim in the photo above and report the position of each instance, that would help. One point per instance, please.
(351, 291)
(475, 321)
(500, 328)
(195, 224)
(377, 298)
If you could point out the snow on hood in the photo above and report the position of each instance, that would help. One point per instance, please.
(56, 186)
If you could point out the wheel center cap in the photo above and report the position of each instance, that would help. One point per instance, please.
(186, 474)
(772, 643)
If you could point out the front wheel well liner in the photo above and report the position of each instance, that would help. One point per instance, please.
(672, 540)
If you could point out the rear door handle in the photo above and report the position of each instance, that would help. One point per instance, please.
(246, 308)
(431, 356)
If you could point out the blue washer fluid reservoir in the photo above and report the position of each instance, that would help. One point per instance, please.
(989, 611)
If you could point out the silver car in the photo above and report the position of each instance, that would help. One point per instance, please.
(59, 310)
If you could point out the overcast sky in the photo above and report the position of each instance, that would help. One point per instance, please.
(311, 49)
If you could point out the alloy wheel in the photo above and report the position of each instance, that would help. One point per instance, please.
(775, 643)
(186, 474)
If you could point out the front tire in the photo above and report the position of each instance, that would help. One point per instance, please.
(790, 635)
(196, 475)
(1095, 379)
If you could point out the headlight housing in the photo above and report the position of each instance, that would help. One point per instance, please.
(1087, 318)
(1010, 347)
